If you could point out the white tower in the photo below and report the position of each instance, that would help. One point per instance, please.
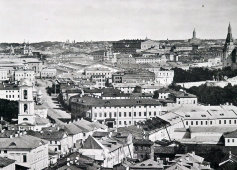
(26, 103)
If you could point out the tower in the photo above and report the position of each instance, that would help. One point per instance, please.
(194, 34)
(228, 48)
(26, 114)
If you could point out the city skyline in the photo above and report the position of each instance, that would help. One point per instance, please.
(37, 21)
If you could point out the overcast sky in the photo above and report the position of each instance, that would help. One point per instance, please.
(59, 20)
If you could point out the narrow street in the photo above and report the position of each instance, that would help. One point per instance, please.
(55, 111)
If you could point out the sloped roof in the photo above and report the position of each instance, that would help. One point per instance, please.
(232, 134)
(25, 142)
(5, 162)
(151, 164)
(91, 143)
(49, 135)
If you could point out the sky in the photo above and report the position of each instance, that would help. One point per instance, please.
(109, 20)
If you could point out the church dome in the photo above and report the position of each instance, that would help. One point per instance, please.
(25, 82)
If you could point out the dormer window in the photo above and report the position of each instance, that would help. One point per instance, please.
(222, 114)
(203, 115)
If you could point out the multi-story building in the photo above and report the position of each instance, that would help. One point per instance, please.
(115, 112)
(9, 92)
(125, 59)
(3, 75)
(99, 80)
(28, 151)
(164, 77)
(98, 71)
(48, 73)
(24, 74)
(98, 55)
(150, 59)
(138, 76)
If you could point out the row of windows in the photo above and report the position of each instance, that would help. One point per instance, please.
(11, 91)
(125, 114)
(228, 140)
(11, 96)
(127, 107)
(206, 122)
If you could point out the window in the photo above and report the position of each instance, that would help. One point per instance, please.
(234, 121)
(229, 121)
(100, 114)
(120, 114)
(125, 114)
(115, 114)
(224, 121)
(105, 114)
(130, 122)
(187, 123)
(24, 158)
(5, 151)
(95, 114)
(25, 94)
(196, 122)
(134, 114)
(206, 122)
(149, 113)
(219, 121)
(144, 113)
(140, 113)
(191, 122)
(233, 140)
(125, 122)
(228, 140)
(110, 114)
(211, 122)
(154, 113)
(201, 122)
(130, 114)
(120, 122)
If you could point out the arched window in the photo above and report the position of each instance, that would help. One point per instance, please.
(25, 119)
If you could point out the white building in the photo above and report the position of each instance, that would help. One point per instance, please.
(28, 151)
(24, 74)
(3, 75)
(164, 77)
(148, 44)
(99, 81)
(115, 112)
(48, 73)
(9, 92)
(143, 60)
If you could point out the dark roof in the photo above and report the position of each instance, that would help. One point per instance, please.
(232, 134)
(9, 87)
(48, 135)
(90, 101)
(100, 134)
(142, 142)
(136, 132)
(5, 162)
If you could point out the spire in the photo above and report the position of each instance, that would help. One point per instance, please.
(194, 33)
(229, 37)
(229, 28)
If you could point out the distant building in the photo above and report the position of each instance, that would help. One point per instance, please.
(194, 39)
(229, 51)
(99, 80)
(24, 74)
(48, 73)
(3, 75)
(9, 92)
(27, 50)
(126, 46)
(143, 149)
(148, 44)
(125, 59)
(98, 55)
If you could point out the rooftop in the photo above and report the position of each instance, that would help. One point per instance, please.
(5, 162)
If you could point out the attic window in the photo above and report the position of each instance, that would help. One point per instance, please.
(187, 115)
(222, 114)
(149, 164)
(142, 164)
(203, 115)
(12, 144)
(193, 110)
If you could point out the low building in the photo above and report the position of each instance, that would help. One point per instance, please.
(99, 81)
(149, 164)
(143, 149)
(230, 138)
(48, 73)
(28, 151)
(98, 55)
(7, 164)
(149, 44)
(150, 59)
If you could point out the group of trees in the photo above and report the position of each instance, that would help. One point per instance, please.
(8, 109)
(202, 74)
(215, 95)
